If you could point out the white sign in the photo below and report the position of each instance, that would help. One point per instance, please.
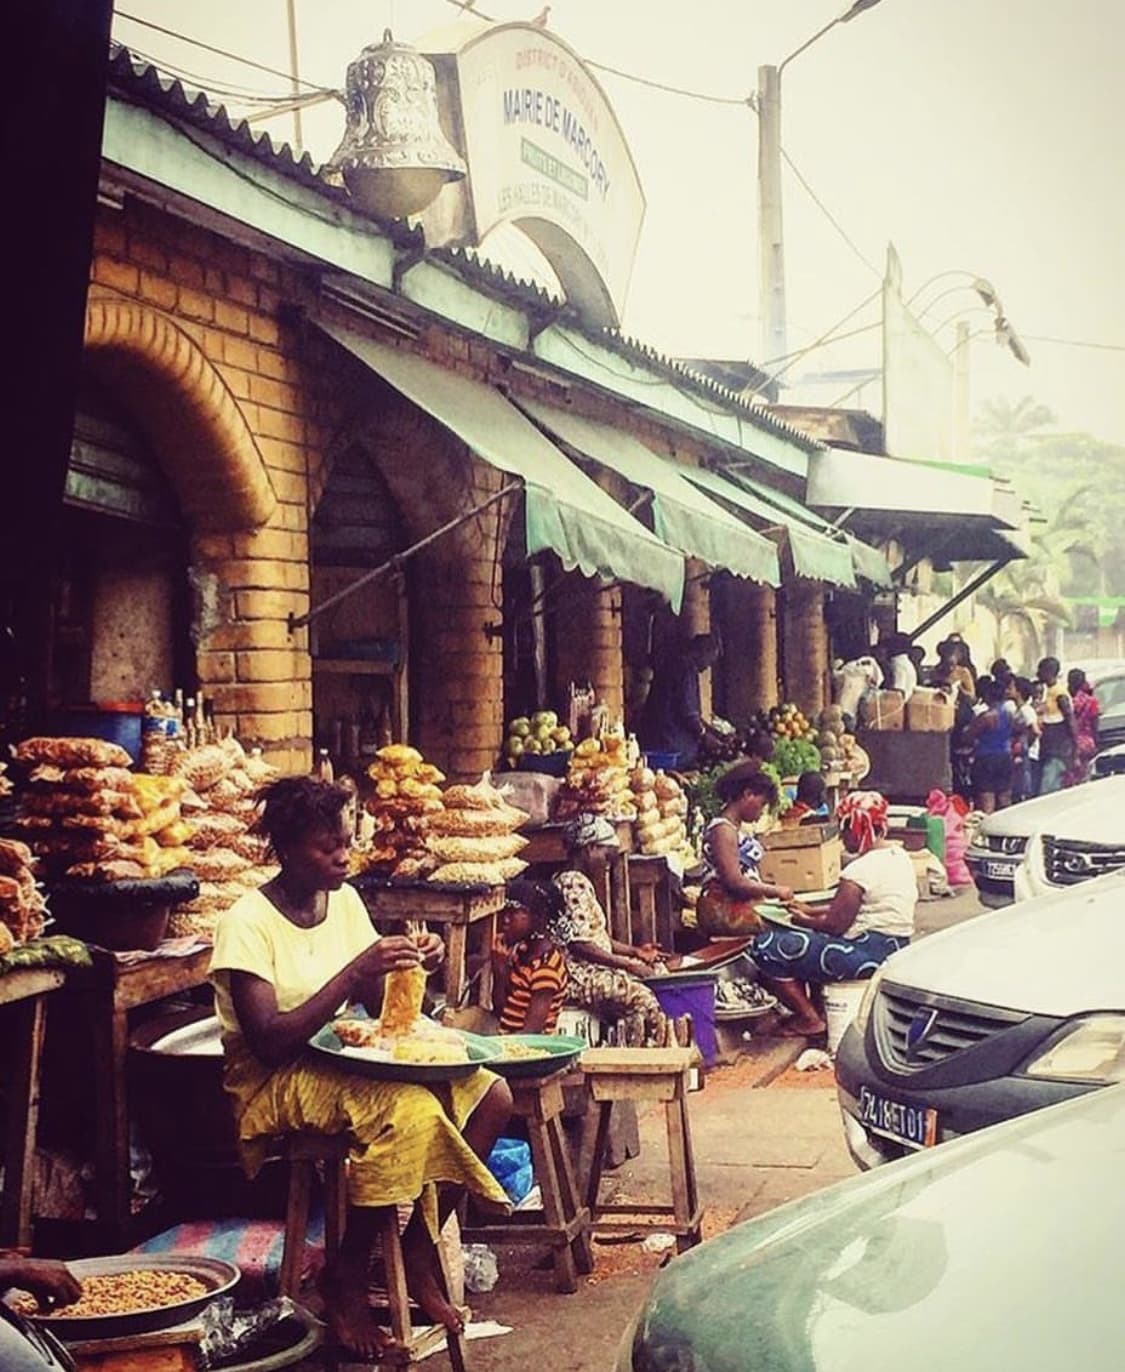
(917, 380)
(546, 153)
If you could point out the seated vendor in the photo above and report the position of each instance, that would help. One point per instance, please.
(810, 803)
(529, 977)
(673, 719)
(287, 958)
(732, 886)
(871, 917)
(606, 975)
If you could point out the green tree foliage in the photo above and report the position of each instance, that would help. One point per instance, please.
(1077, 484)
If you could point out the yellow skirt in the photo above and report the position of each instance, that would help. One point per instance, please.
(407, 1138)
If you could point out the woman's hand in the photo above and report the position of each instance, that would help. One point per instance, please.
(383, 956)
(784, 894)
(636, 967)
(648, 953)
(432, 949)
(51, 1283)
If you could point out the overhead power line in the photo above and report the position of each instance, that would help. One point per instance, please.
(1076, 343)
(220, 52)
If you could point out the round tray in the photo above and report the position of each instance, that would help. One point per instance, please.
(556, 1053)
(481, 1054)
(219, 1277)
(749, 1012)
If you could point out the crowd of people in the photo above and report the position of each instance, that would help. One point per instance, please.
(1014, 737)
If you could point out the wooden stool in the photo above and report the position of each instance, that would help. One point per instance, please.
(643, 1074)
(564, 1221)
(163, 1350)
(304, 1151)
(650, 889)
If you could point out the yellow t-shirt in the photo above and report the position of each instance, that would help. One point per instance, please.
(254, 936)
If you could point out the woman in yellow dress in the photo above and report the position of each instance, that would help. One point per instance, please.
(286, 959)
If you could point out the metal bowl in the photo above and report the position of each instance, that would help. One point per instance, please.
(218, 1276)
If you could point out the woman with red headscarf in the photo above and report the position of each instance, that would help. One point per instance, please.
(871, 917)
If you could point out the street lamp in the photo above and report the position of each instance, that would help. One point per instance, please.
(771, 246)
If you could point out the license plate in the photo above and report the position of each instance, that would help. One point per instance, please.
(1000, 871)
(914, 1125)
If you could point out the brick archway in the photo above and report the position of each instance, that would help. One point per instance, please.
(185, 409)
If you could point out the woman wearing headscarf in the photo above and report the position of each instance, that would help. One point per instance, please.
(1084, 704)
(871, 917)
(605, 975)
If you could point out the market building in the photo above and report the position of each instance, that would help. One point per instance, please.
(282, 393)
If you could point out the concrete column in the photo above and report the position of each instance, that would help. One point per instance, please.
(588, 641)
(696, 619)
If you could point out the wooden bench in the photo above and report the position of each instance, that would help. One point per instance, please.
(564, 1221)
(638, 1075)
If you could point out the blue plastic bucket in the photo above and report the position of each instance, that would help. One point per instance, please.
(114, 726)
(691, 993)
(662, 762)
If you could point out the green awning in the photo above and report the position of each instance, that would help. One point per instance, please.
(814, 556)
(682, 516)
(564, 511)
(867, 562)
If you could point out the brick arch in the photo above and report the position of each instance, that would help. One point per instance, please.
(186, 411)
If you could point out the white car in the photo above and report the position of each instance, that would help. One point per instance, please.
(1006, 1013)
(1010, 843)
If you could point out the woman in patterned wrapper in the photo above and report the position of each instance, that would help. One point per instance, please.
(606, 976)
(871, 917)
(287, 958)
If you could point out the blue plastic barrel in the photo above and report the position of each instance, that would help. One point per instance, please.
(691, 993)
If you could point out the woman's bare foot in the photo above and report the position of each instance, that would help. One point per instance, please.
(801, 1029)
(424, 1277)
(348, 1314)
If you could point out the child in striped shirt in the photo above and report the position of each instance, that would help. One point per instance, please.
(529, 969)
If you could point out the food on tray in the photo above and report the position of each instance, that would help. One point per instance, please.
(427, 1044)
(478, 873)
(491, 849)
(513, 1049)
(122, 1293)
(72, 752)
(540, 733)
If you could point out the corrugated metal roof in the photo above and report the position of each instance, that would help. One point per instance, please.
(145, 84)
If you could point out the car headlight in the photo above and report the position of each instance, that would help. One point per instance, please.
(1088, 1049)
(867, 1004)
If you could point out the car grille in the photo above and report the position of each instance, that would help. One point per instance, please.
(956, 1025)
(1012, 845)
(1067, 861)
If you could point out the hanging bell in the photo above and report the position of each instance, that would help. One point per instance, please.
(394, 156)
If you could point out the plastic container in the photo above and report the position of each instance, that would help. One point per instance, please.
(841, 1004)
(691, 993)
(118, 725)
(662, 762)
(549, 764)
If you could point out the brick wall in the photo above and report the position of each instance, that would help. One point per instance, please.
(805, 646)
(227, 300)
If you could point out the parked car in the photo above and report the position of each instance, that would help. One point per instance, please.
(1082, 840)
(1007, 1013)
(999, 847)
(1110, 693)
(990, 1253)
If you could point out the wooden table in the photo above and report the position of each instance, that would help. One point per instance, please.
(650, 893)
(111, 989)
(456, 908)
(25, 991)
(546, 848)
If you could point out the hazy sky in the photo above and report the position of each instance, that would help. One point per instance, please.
(983, 135)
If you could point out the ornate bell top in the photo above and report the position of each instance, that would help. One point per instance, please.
(393, 127)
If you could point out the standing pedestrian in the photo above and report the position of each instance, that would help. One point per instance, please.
(1058, 738)
(991, 734)
(1085, 706)
(1025, 741)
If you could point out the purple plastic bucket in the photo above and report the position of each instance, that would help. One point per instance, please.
(691, 993)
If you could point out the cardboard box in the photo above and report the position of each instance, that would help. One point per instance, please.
(883, 711)
(814, 867)
(801, 835)
(930, 712)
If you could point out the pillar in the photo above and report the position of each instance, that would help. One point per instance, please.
(805, 646)
(696, 619)
(588, 642)
(750, 660)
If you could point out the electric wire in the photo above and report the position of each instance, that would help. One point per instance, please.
(823, 208)
(219, 52)
(1075, 343)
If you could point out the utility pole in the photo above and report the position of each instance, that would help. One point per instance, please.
(294, 74)
(771, 242)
